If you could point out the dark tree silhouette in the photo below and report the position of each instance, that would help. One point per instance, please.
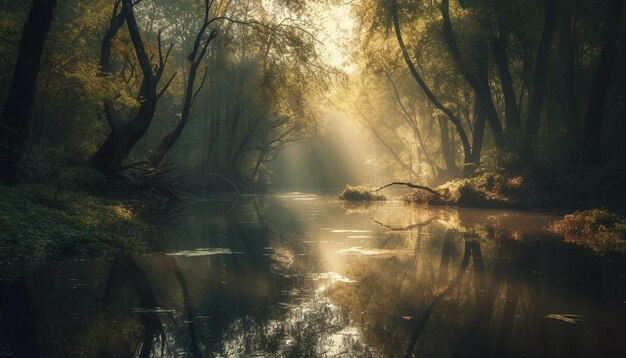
(595, 108)
(15, 116)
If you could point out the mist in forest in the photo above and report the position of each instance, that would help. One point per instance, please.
(325, 163)
(312, 178)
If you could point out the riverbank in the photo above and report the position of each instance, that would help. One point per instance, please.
(595, 213)
(58, 213)
(586, 188)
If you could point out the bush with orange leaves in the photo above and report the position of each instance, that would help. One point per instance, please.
(597, 229)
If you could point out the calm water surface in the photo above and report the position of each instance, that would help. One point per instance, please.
(300, 275)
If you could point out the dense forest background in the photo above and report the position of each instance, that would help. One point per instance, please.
(530, 87)
(130, 128)
(439, 89)
(120, 82)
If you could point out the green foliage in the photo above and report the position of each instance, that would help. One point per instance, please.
(360, 193)
(56, 213)
(599, 229)
(485, 189)
(472, 195)
(421, 197)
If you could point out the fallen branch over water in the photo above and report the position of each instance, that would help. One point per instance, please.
(410, 185)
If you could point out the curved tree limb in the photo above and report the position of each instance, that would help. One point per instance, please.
(480, 83)
(410, 185)
(467, 150)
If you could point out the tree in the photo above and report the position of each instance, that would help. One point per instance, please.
(124, 135)
(537, 93)
(595, 108)
(196, 56)
(15, 115)
(467, 151)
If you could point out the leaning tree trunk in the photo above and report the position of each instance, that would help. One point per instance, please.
(480, 83)
(595, 109)
(109, 157)
(467, 150)
(14, 120)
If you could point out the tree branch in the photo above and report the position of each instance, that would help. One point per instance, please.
(410, 185)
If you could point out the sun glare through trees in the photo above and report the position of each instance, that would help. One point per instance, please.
(312, 178)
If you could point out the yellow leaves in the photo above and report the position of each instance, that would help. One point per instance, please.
(98, 86)
(598, 229)
(122, 212)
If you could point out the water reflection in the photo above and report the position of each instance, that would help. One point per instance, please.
(298, 275)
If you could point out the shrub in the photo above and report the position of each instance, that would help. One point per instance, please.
(419, 197)
(472, 195)
(598, 229)
(360, 193)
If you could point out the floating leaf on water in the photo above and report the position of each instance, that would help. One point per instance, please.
(566, 317)
(368, 252)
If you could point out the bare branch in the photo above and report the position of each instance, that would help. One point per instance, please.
(169, 82)
(410, 185)
(204, 76)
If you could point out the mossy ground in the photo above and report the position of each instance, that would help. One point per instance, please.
(360, 193)
(56, 213)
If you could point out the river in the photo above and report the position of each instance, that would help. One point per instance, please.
(301, 275)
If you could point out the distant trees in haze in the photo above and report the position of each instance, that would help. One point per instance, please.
(120, 80)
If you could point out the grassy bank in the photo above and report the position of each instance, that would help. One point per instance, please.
(360, 193)
(484, 190)
(59, 211)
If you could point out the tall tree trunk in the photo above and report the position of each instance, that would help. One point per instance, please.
(446, 147)
(195, 58)
(477, 143)
(109, 157)
(595, 108)
(15, 115)
(570, 71)
(538, 90)
(498, 46)
(422, 84)
(480, 85)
